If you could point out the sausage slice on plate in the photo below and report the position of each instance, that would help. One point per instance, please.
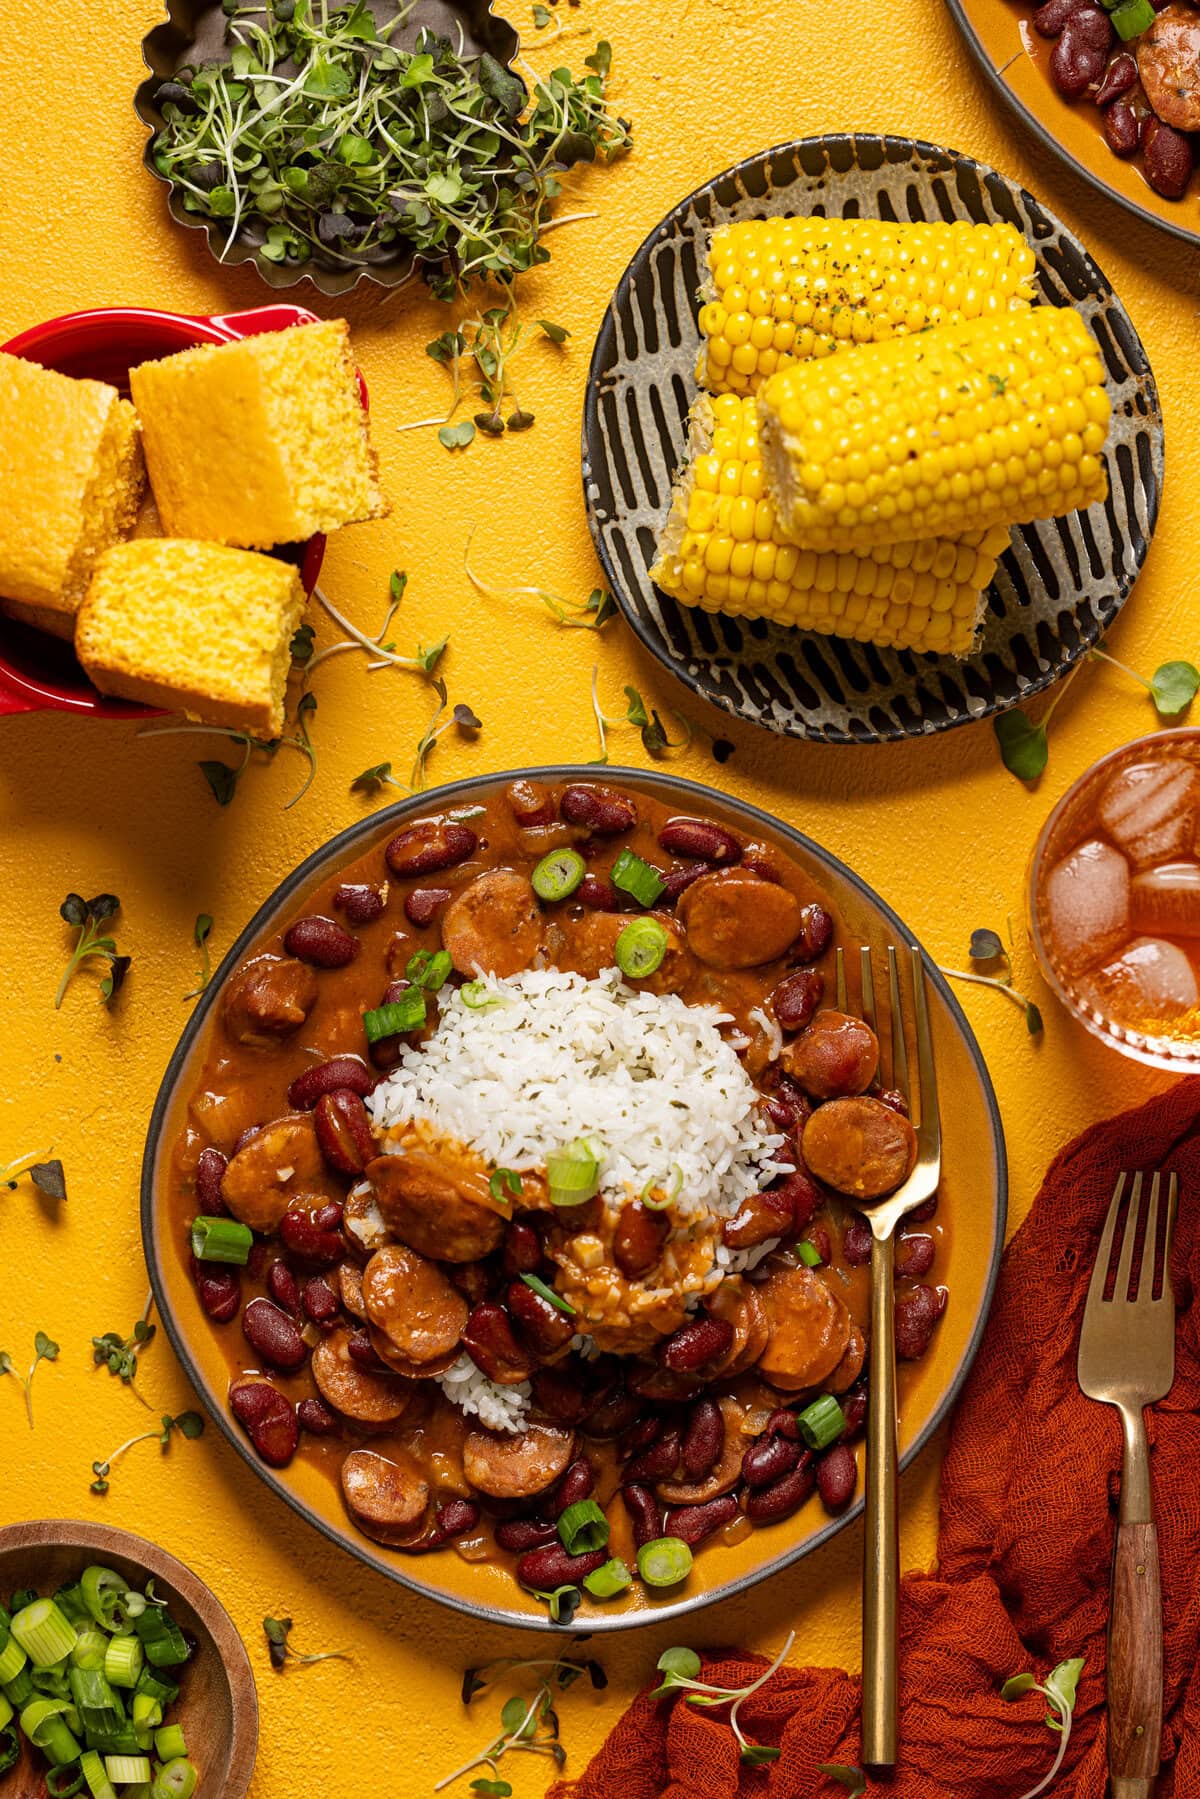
(423, 1204)
(266, 998)
(735, 919)
(279, 1163)
(1168, 61)
(737, 1302)
(859, 1146)
(724, 1477)
(495, 925)
(836, 1055)
(354, 1391)
(387, 1499)
(516, 1467)
(809, 1330)
(413, 1304)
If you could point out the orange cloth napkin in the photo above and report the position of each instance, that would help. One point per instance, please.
(1024, 1547)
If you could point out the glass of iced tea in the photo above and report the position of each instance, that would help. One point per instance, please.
(1115, 899)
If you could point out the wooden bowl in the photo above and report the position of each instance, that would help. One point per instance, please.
(218, 1707)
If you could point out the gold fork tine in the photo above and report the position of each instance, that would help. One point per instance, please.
(1145, 1291)
(841, 979)
(928, 1117)
(899, 1071)
(1125, 1265)
(867, 984)
(1099, 1278)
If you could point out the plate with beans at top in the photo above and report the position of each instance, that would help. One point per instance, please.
(502, 1197)
(860, 548)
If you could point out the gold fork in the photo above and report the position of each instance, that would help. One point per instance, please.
(881, 1564)
(1127, 1359)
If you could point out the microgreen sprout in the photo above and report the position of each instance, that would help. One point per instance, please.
(528, 1725)
(1024, 749)
(120, 1354)
(380, 654)
(47, 1177)
(277, 1632)
(461, 718)
(1059, 1690)
(680, 1669)
(589, 615)
(853, 1779)
(44, 1350)
(201, 931)
(986, 951)
(224, 777)
(1172, 686)
(649, 725)
(87, 916)
(188, 1424)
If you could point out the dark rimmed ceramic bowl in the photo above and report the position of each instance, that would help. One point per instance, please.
(974, 1198)
(194, 32)
(1058, 586)
(218, 1706)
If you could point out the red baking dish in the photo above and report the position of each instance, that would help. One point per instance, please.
(39, 672)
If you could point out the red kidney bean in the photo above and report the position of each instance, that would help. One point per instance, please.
(799, 1191)
(646, 1513)
(471, 1278)
(329, 1216)
(283, 1287)
(314, 1416)
(542, 1326)
(703, 1439)
(530, 803)
(639, 1436)
(422, 903)
(518, 1535)
(598, 894)
(782, 1423)
(210, 1172)
(1167, 155)
(658, 1462)
(429, 847)
(768, 1460)
(856, 1243)
(361, 1350)
(319, 1300)
(304, 1237)
(1119, 77)
(782, 1498)
(344, 1132)
(816, 929)
(1122, 133)
(893, 1099)
(256, 1261)
(692, 1523)
(613, 1416)
(269, 1419)
(923, 1213)
(638, 1238)
(362, 902)
(576, 1484)
(854, 1409)
(385, 1051)
(322, 942)
(545, 1569)
(220, 1290)
(349, 1072)
(837, 1477)
(599, 809)
(1049, 19)
(1075, 65)
(916, 1314)
(559, 1395)
(272, 1335)
(676, 881)
(819, 1237)
(796, 999)
(251, 1130)
(700, 838)
(489, 1341)
(941, 1299)
(693, 1345)
(455, 1518)
(914, 1255)
(521, 1250)
(1093, 25)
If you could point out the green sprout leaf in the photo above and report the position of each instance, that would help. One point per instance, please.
(684, 1662)
(541, 17)
(985, 946)
(48, 1178)
(278, 1632)
(1018, 1684)
(1173, 687)
(853, 1779)
(457, 437)
(86, 916)
(45, 1349)
(301, 648)
(201, 931)
(558, 334)
(222, 779)
(120, 1354)
(1023, 746)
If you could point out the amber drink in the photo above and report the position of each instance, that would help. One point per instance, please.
(1115, 899)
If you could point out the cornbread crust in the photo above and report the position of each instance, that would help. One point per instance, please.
(195, 627)
(72, 475)
(259, 442)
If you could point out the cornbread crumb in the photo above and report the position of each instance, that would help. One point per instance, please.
(71, 472)
(258, 442)
(194, 627)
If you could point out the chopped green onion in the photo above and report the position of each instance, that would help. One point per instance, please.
(99, 1785)
(544, 1291)
(501, 1179)
(123, 1770)
(104, 1594)
(641, 947)
(6, 1714)
(43, 1633)
(91, 1646)
(429, 969)
(574, 1172)
(558, 875)
(12, 1660)
(477, 996)
(664, 1562)
(51, 1682)
(221, 1240)
(145, 1712)
(809, 1254)
(123, 1661)
(163, 1641)
(19, 1690)
(399, 1015)
(5, 1631)
(100, 1710)
(582, 1528)
(670, 1192)
(170, 1743)
(42, 1722)
(70, 1604)
(822, 1422)
(62, 1783)
(165, 1691)
(635, 877)
(606, 1582)
(176, 1781)
(1132, 18)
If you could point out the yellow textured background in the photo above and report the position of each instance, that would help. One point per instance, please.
(938, 827)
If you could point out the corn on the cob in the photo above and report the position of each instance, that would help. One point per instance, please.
(998, 421)
(783, 290)
(720, 550)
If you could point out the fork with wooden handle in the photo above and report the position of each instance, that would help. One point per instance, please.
(1127, 1359)
(881, 1563)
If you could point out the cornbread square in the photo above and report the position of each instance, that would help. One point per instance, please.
(258, 442)
(194, 627)
(71, 473)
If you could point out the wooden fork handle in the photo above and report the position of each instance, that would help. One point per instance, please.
(881, 1560)
(1135, 1663)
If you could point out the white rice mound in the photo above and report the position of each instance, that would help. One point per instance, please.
(499, 1408)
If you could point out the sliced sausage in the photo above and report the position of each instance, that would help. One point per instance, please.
(424, 1205)
(738, 1303)
(363, 1226)
(835, 1056)
(349, 1284)
(354, 1391)
(495, 925)
(266, 998)
(735, 919)
(851, 1364)
(760, 1217)
(724, 1476)
(1168, 62)
(386, 1498)
(859, 1146)
(589, 945)
(413, 1304)
(516, 1467)
(387, 1353)
(276, 1164)
(809, 1329)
